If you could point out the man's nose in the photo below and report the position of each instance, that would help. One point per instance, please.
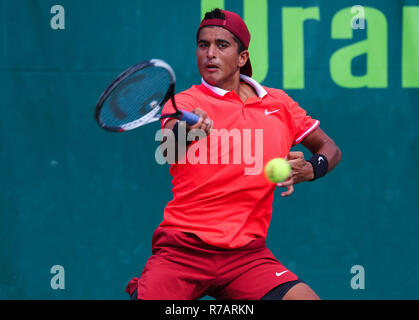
(211, 51)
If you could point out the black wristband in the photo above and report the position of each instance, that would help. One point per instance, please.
(320, 165)
(176, 133)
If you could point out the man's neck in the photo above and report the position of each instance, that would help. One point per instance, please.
(246, 91)
(232, 85)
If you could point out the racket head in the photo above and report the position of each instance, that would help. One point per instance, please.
(136, 97)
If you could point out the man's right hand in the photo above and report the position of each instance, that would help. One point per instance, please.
(204, 123)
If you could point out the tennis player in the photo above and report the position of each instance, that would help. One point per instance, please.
(212, 240)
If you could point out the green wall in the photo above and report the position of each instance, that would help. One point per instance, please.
(74, 195)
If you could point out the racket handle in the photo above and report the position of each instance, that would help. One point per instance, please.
(189, 117)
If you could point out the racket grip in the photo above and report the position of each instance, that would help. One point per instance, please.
(189, 117)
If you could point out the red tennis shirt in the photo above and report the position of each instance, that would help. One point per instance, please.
(219, 189)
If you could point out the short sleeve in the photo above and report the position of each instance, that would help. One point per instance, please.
(302, 123)
(183, 102)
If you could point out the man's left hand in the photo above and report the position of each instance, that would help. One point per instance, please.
(301, 170)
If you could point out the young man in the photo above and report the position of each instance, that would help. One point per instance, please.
(212, 238)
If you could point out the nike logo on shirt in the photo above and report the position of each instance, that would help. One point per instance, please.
(270, 112)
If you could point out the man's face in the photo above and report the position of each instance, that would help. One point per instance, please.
(218, 57)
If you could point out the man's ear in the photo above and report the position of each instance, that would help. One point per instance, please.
(243, 57)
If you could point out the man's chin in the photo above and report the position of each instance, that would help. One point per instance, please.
(210, 79)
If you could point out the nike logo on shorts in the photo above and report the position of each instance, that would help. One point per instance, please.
(278, 274)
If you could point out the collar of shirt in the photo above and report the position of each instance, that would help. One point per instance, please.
(261, 92)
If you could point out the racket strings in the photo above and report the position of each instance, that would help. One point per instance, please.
(136, 97)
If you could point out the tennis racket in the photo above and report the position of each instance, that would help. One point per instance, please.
(137, 96)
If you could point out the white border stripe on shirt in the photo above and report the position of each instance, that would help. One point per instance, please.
(165, 121)
(307, 132)
(259, 89)
(261, 92)
(219, 91)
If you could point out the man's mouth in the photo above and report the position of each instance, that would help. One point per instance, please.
(211, 67)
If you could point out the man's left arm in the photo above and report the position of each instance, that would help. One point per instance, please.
(321, 146)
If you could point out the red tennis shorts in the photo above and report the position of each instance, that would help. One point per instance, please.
(183, 267)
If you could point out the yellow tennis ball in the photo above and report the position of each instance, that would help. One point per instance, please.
(277, 170)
